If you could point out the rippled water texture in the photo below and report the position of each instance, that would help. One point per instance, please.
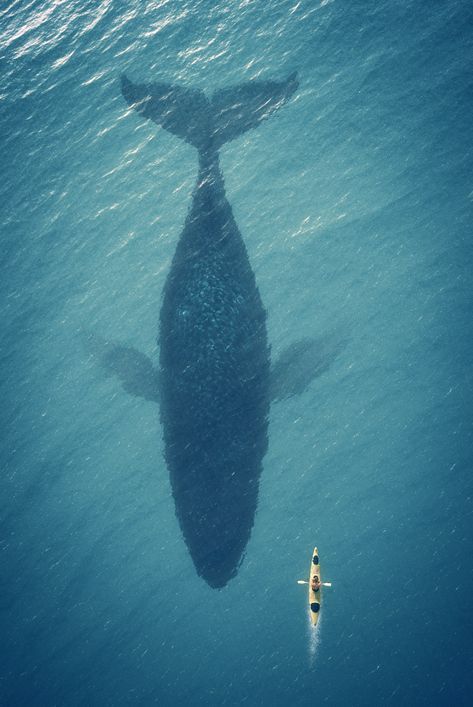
(355, 206)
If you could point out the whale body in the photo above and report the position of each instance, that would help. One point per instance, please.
(214, 358)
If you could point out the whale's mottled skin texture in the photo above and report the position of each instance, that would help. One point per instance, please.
(214, 355)
(214, 360)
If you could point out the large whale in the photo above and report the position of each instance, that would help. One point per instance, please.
(213, 384)
(213, 348)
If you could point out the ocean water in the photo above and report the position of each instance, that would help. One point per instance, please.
(355, 203)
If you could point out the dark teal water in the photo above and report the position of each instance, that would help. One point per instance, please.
(355, 203)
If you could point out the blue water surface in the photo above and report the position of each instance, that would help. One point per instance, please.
(355, 203)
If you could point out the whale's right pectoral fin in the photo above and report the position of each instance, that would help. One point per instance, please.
(135, 371)
(240, 108)
(184, 112)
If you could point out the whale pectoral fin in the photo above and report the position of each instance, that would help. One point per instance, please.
(242, 107)
(179, 110)
(302, 362)
(134, 370)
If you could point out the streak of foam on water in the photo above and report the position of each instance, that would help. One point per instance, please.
(314, 639)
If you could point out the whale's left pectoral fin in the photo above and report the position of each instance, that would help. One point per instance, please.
(135, 371)
(301, 362)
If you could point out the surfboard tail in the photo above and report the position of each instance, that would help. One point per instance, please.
(190, 115)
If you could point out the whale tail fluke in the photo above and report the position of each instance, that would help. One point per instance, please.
(188, 114)
(181, 111)
(240, 108)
